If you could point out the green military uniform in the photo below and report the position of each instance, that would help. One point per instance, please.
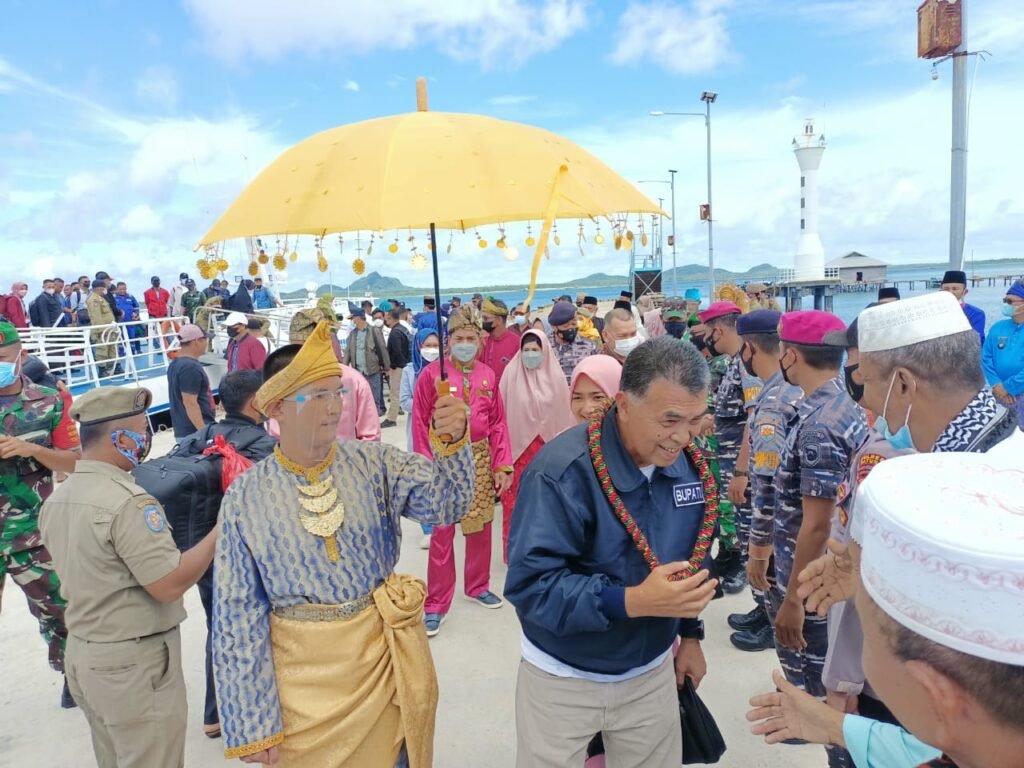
(109, 538)
(709, 446)
(190, 302)
(35, 414)
(104, 347)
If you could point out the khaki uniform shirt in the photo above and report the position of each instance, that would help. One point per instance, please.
(99, 310)
(108, 537)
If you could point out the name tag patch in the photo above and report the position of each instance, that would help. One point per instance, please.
(688, 494)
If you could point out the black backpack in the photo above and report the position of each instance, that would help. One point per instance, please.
(188, 487)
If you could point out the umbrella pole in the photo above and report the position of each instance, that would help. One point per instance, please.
(437, 299)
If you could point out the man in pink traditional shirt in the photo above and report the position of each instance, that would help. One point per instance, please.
(476, 384)
(500, 345)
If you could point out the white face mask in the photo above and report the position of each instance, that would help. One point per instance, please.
(532, 360)
(430, 354)
(624, 346)
(378, 323)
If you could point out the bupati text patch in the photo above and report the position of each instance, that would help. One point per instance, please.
(690, 493)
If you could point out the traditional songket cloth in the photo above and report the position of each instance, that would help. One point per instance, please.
(478, 388)
(318, 645)
(537, 405)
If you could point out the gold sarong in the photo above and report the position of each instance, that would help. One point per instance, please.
(352, 691)
(481, 509)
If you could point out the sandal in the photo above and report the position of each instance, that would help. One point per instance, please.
(212, 731)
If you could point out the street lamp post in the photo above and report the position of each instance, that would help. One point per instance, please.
(675, 287)
(709, 98)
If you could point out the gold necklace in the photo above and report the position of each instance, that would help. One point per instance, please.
(322, 514)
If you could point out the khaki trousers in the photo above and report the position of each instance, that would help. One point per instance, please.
(394, 384)
(556, 717)
(132, 693)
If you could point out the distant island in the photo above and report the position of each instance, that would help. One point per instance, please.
(377, 284)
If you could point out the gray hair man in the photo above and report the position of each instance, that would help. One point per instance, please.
(620, 335)
(599, 620)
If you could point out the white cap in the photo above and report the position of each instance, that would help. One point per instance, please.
(943, 549)
(910, 321)
(235, 318)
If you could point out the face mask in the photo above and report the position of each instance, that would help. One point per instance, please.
(568, 336)
(709, 342)
(585, 313)
(488, 327)
(464, 353)
(141, 450)
(676, 330)
(699, 343)
(748, 365)
(853, 389)
(1009, 310)
(430, 354)
(232, 332)
(785, 372)
(902, 440)
(520, 320)
(8, 374)
(50, 291)
(378, 323)
(532, 360)
(624, 346)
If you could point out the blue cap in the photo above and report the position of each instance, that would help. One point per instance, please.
(692, 294)
(358, 313)
(758, 321)
(562, 313)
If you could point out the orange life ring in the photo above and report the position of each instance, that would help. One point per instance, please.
(169, 328)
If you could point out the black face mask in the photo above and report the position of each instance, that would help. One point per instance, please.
(569, 336)
(853, 389)
(676, 330)
(748, 365)
(785, 372)
(698, 342)
(488, 327)
(710, 344)
(232, 332)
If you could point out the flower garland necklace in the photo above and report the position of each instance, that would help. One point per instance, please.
(707, 478)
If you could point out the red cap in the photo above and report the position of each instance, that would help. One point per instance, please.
(719, 309)
(808, 327)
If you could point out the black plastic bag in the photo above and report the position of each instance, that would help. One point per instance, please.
(702, 741)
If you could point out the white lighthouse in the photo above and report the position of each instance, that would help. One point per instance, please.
(810, 253)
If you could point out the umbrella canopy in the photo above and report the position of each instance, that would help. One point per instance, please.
(413, 170)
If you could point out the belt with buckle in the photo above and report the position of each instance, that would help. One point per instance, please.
(340, 612)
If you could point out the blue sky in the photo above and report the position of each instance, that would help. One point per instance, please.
(128, 127)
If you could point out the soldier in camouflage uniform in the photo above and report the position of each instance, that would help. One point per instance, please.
(774, 411)
(37, 437)
(828, 429)
(569, 347)
(733, 400)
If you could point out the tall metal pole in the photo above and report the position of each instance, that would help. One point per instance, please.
(675, 279)
(958, 169)
(711, 208)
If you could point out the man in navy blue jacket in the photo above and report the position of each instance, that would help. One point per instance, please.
(598, 624)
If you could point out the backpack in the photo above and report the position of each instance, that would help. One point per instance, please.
(81, 311)
(189, 488)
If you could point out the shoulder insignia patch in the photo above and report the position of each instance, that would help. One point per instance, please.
(868, 462)
(767, 430)
(154, 519)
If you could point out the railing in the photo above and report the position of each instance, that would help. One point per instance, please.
(792, 276)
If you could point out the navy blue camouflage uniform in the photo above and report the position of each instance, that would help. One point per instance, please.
(822, 440)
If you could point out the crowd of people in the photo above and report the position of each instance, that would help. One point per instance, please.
(644, 462)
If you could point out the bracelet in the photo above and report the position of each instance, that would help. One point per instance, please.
(740, 473)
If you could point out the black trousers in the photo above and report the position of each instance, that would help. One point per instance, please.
(205, 584)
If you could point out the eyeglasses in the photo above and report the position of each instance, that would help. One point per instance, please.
(324, 395)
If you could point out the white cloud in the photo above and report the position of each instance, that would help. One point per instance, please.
(158, 86)
(510, 100)
(493, 32)
(681, 38)
(351, 85)
(79, 185)
(141, 220)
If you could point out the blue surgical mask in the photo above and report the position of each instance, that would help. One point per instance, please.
(1008, 310)
(8, 374)
(520, 319)
(464, 353)
(902, 440)
(532, 360)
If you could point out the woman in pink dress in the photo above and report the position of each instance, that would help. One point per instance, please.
(536, 401)
(594, 384)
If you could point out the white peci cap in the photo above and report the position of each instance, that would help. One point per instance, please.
(235, 318)
(943, 549)
(910, 321)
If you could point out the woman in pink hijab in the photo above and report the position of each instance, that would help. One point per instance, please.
(536, 408)
(594, 383)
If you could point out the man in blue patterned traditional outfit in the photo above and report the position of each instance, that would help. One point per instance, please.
(320, 655)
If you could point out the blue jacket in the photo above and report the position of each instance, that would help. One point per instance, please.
(570, 559)
(976, 317)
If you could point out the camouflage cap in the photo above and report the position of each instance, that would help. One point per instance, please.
(8, 334)
(110, 403)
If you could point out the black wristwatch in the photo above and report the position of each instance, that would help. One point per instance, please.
(692, 629)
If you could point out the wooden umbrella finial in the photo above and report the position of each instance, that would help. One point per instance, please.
(421, 94)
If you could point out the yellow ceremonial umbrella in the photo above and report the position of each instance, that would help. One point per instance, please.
(428, 169)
